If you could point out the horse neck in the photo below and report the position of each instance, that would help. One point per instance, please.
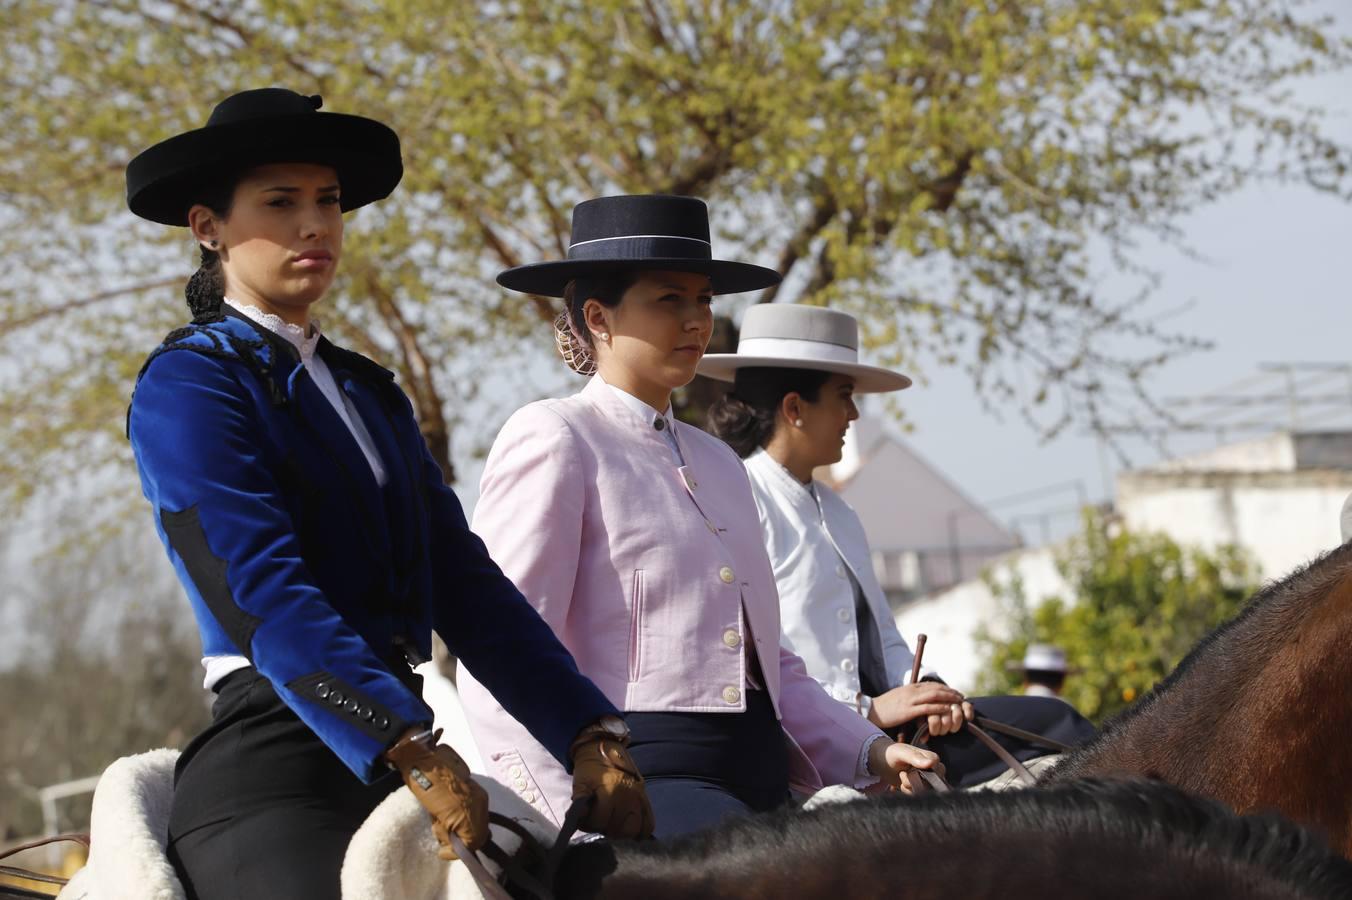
(1245, 696)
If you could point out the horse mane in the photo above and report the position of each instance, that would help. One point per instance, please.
(1230, 657)
(819, 850)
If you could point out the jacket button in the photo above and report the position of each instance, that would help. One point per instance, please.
(352, 706)
(725, 574)
(383, 722)
(731, 694)
(520, 784)
(731, 638)
(529, 797)
(367, 714)
(322, 690)
(337, 698)
(843, 614)
(848, 665)
(516, 771)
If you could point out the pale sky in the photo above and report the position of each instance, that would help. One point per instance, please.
(1276, 289)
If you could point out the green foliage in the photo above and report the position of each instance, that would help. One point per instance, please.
(1138, 603)
(957, 173)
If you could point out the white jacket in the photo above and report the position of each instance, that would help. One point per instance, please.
(808, 530)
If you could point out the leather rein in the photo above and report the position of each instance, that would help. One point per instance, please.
(923, 780)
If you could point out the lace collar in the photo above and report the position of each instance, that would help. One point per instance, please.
(294, 334)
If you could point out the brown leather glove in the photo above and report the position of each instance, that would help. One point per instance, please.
(604, 771)
(440, 780)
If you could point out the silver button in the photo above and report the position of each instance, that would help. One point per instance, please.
(843, 614)
(848, 665)
(731, 694)
(726, 575)
(731, 638)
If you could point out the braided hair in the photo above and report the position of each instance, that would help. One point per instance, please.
(205, 290)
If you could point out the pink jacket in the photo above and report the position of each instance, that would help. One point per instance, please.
(653, 576)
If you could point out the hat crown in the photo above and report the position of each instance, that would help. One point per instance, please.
(1044, 658)
(787, 321)
(639, 224)
(262, 103)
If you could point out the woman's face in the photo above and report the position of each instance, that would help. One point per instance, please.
(281, 241)
(658, 331)
(822, 435)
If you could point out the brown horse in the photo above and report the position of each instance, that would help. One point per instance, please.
(1109, 840)
(1258, 715)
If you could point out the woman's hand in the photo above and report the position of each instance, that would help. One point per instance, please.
(604, 771)
(440, 780)
(945, 709)
(890, 759)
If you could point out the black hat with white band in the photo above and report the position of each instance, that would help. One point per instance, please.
(655, 232)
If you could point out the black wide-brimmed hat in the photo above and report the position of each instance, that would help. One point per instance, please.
(655, 232)
(253, 128)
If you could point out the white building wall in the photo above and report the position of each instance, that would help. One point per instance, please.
(1282, 519)
(950, 619)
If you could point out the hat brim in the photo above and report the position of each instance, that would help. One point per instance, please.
(548, 279)
(867, 379)
(162, 180)
(1018, 666)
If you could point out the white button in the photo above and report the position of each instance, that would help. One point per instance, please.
(520, 784)
(731, 694)
(726, 575)
(516, 771)
(840, 570)
(848, 665)
(731, 638)
(843, 614)
(529, 797)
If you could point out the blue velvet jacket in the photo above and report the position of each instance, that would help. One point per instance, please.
(294, 556)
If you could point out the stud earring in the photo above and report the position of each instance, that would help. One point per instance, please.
(605, 335)
(214, 244)
(797, 423)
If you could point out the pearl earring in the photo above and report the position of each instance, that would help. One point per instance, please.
(605, 335)
(797, 423)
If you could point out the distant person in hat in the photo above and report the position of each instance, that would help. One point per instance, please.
(635, 535)
(1044, 670)
(312, 531)
(795, 374)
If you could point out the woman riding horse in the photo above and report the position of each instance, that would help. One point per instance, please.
(312, 531)
(796, 373)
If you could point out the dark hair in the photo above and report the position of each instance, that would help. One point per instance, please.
(606, 288)
(1053, 680)
(205, 290)
(745, 416)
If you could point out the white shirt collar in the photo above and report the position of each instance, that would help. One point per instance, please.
(646, 414)
(294, 334)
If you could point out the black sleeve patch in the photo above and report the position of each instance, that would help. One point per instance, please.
(184, 530)
(345, 701)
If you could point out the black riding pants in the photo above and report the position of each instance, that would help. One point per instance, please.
(262, 808)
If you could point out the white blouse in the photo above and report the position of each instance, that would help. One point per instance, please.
(819, 552)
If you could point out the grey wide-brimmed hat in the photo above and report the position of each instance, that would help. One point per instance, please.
(1043, 658)
(790, 336)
